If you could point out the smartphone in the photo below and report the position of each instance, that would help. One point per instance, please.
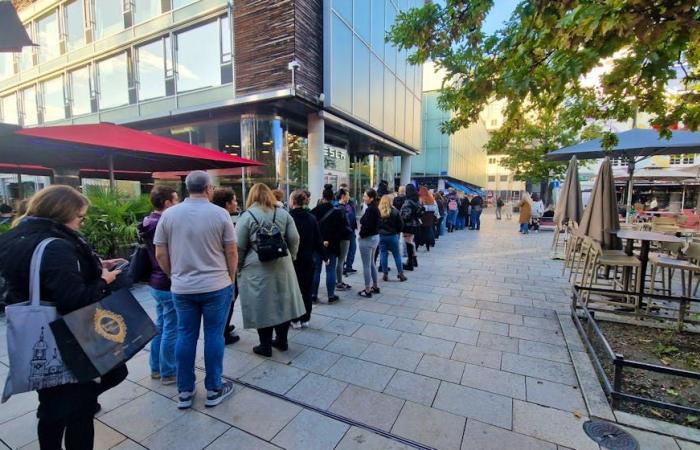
(121, 266)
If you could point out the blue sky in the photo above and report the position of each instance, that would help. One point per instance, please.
(501, 11)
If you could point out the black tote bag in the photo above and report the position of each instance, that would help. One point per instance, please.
(98, 337)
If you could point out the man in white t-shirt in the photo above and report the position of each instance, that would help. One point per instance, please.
(196, 246)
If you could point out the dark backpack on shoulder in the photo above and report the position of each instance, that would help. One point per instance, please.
(270, 243)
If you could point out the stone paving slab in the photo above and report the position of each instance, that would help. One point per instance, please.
(482, 436)
(368, 407)
(430, 426)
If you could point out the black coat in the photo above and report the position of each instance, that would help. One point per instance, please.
(71, 277)
(310, 240)
(332, 227)
(393, 224)
(369, 223)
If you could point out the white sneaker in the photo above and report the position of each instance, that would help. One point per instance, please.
(184, 400)
(296, 325)
(216, 397)
(305, 324)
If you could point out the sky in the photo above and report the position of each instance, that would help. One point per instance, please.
(500, 13)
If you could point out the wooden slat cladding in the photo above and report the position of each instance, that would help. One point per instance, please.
(271, 33)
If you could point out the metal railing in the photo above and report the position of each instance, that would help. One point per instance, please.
(591, 334)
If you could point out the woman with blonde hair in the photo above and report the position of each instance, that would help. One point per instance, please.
(390, 227)
(525, 213)
(72, 276)
(268, 290)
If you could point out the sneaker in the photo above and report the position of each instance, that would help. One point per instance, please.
(297, 325)
(350, 271)
(155, 375)
(342, 286)
(184, 400)
(305, 324)
(167, 381)
(216, 397)
(231, 339)
(333, 299)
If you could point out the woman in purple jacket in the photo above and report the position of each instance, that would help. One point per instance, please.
(163, 344)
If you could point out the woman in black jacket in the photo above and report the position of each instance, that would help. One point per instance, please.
(411, 213)
(390, 226)
(368, 242)
(332, 223)
(72, 277)
(310, 243)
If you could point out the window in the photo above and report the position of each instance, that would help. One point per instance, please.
(181, 3)
(74, 20)
(151, 70)
(377, 27)
(344, 9)
(504, 178)
(25, 58)
(198, 61)
(361, 21)
(492, 178)
(30, 112)
(682, 159)
(7, 68)
(494, 122)
(113, 81)
(619, 162)
(492, 160)
(360, 84)
(54, 103)
(9, 109)
(81, 92)
(146, 9)
(109, 17)
(341, 65)
(48, 37)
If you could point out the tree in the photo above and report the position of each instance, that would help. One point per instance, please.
(536, 63)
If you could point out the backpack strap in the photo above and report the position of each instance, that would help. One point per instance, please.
(326, 215)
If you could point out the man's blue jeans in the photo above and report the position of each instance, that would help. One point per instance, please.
(476, 219)
(212, 307)
(389, 243)
(330, 274)
(350, 260)
(163, 344)
(452, 218)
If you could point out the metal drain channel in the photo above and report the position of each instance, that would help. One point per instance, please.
(343, 419)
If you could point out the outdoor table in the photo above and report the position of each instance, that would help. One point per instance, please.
(646, 237)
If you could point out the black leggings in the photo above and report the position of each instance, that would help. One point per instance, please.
(280, 330)
(78, 428)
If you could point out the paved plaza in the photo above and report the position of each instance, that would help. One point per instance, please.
(473, 352)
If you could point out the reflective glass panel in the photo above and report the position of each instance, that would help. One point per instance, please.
(400, 110)
(198, 58)
(108, 17)
(9, 109)
(181, 3)
(362, 15)
(378, 27)
(6, 65)
(225, 40)
(80, 91)
(390, 50)
(151, 70)
(344, 9)
(54, 104)
(48, 37)
(146, 9)
(376, 88)
(113, 82)
(31, 116)
(75, 34)
(25, 58)
(341, 65)
(389, 101)
(360, 87)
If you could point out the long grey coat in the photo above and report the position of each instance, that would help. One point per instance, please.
(269, 291)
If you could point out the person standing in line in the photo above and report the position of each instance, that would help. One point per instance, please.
(463, 211)
(342, 197)
(476, 204)
(162, 356)
(440, 224)
(6, 215)
(537, 212)
(525, 213)
(390, 226)
(270, 293)
(352, 220)
(400, 198)
(196, 245)
(332, 222)
(72, 277)
(499, 207)
(369, 241)
(310, 243)
(411, 213)
(452, 210)
(430, 216)
(226, 198)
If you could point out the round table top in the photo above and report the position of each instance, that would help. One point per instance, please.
(648, 236)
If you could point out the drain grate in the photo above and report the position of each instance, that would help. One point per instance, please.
(610, 436)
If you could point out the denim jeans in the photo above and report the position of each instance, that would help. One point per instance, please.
(452, 218)
(212, 307)
(163, 343)
(524, 228)
(461, 222)
(339, 267)
(350, 260)
(475, 219)
(368, 246)
(389, 243)
(330, 275)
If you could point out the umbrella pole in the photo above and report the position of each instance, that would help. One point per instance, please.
(112, 182)
(630, 185)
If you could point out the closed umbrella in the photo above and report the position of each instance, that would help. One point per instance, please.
(570, 204)
(600, 216)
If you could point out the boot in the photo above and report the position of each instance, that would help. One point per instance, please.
(265, 347)
(280, 341)
(410, 253)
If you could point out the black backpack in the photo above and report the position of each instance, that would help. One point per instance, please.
(270, 242)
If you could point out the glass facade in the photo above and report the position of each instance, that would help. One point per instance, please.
(48, 37)
(145, 9)
(151, 69)
(7, 64)
(198, 61)
(54, 102)
(113, 81)
(74, 20)
(9, 109)
(25, 58)
(434, 158)
(181, 3)
(80, 91)
(109, 17)
(30, 113)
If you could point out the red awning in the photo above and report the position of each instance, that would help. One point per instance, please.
(75, 146)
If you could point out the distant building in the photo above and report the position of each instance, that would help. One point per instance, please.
(501, 182)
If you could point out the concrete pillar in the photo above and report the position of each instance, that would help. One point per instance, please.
(70, 177)
(405, 169)
(316, 130)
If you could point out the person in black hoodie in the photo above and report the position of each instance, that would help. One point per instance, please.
(411, 213)
(390, 226)
(332, 223)
(310, 243)
(72, 277)
(368, 243)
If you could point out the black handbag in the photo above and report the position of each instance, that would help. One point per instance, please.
(98, 337)
(140, 267)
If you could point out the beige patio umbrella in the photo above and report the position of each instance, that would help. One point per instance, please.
(570, 204)
(600, 216)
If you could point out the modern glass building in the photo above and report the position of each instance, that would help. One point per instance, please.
(308, 87)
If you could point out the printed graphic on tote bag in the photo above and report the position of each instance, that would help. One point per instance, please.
(47, 370)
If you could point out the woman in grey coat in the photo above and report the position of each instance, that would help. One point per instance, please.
(269, 292)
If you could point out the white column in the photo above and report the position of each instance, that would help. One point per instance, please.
(405, 169)
(316, 130)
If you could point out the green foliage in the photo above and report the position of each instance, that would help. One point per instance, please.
(5, 227)
(111, 222)
(536, 62)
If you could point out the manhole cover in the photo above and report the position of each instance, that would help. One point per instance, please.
(610, 436)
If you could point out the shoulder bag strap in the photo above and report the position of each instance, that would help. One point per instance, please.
(326, 215)
(35, 269)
